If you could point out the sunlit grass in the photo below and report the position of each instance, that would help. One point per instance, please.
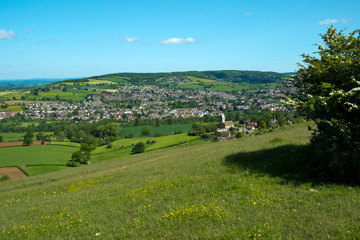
(185, 193)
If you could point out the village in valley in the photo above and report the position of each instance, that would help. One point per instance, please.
(151, 102)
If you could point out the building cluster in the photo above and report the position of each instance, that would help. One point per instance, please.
(154, 102)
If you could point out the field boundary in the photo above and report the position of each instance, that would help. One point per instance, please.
(20, 143)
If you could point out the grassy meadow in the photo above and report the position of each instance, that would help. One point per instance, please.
(249, 188)
(36, 159)
(74, 95)
(161, 142)
(8, 137)
(163, 129)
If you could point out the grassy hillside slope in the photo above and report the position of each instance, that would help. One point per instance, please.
(251, 188)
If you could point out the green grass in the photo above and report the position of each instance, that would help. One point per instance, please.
(11, 108)
(15, 136)
(196, 79)
(211, 85)
(163, 129)
(5, 93)
(37, 159)
(161, 142)
(69, 144)
(75, 95)
(8, 137)
(209, 191)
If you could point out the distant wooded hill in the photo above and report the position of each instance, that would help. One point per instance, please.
(254, 77)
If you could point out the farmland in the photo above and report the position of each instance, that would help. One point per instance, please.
(160, 142)
(163, 130)
(36, 159)
(253, 187)
(53, 94)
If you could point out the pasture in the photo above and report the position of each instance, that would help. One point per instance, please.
(161, 142)
(163, 129)
(36, 159)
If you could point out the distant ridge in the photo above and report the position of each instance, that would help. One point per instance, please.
(28, 83)
(235, 76)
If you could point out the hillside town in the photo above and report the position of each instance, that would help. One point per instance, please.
(153, 102)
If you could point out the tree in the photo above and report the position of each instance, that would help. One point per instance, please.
(136, 122)
(146, 131)
(158, 134)
(327, 89)
(262, 124)
(157, 122)
(28, 138)
(138, 148)
(281, 122)
(40, 136)
(1, 138)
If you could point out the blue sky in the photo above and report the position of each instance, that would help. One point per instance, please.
(75, 38)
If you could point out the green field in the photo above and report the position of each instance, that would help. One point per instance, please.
(212, 85)
(75, 95)
(163, 129)
(15, 136)
(5, 93)
(36, 159)
(249, 188)
(196, 79)
(161, 142)
(12, 137)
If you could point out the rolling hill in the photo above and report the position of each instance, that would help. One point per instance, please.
(249, 188)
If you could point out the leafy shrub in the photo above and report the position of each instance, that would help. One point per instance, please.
(72, 163)
(205, 135)
(129, 135)
(239, 135)
(138, 148)
(5, 178)
(158, 134)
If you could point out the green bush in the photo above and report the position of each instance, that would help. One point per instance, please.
(138, 148)
(72, 163)
(5, 178)
(158, 134)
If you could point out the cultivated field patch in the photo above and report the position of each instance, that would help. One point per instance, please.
(12, 172)
(19, 143)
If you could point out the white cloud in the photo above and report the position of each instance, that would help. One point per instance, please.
(54, 41)
(29, 30)
(131, 39)
(178, 41)
(4, 34)
(328, 21)
(248, 14)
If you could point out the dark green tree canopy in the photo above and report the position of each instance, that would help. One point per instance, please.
(138, 148)
(327, 89)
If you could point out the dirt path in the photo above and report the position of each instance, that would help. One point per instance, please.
(12, 172)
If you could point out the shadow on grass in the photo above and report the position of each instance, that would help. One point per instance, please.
(292, 163)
